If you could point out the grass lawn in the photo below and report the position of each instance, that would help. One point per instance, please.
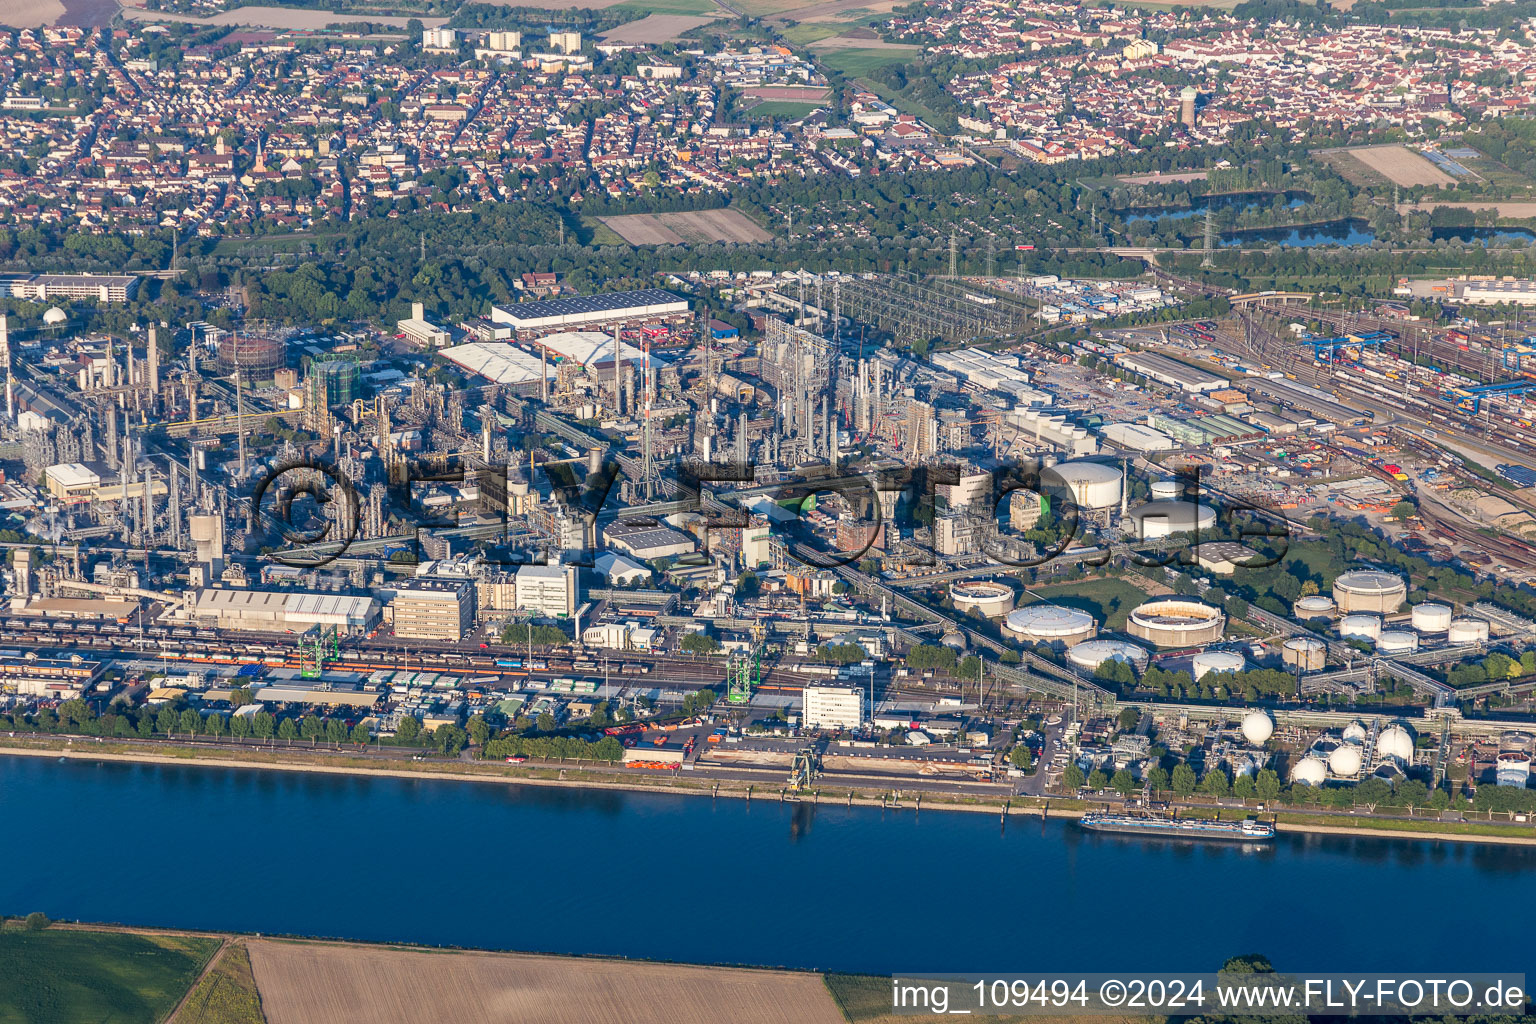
(103, 977)
(1108, 599)
(857, 61)
(786, 109)
(227, 994)
(694, 7)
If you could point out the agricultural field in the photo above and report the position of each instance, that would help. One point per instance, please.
(1401, 166)
(293, 18)
(226, 994)
(1505, 210)
(692, 227)
(324, 983)
(655, 28)
(856, 61)
(685, 8)
(66, 976)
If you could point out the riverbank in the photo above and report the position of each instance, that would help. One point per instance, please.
(891, 798)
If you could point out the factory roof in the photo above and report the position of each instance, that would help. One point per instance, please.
(328, 605)
(1171, 371)
(498, 361)
(594, 348)
(619, 303)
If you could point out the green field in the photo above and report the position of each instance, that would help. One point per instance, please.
(69, 977)
(808, 32)
(602, 234)
(1109, 599)
(785, 109)
(700, 8)
(227, 993)
(857, 61)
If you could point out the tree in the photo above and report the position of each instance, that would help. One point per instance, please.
(361, 733)
(287, 730)
(747, 585)
(1129, 717)
(408, 729)
(1157, 778)
(240, 726)
(190, 720)
(1183, 780)
(263, 725)
(1215, 783)
(167, 721)
(1267, 785)
(1097, 779)
(37, 921)
(312, 729)
(449, 739)
(1123, 782)
(546, 722)
(216, 725)
(1072, 779)
(479, 732)
(700, 643)
(1021, 758)
(335, 731)
(1243, 787)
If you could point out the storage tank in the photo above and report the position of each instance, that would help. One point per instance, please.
(1093, 485)
(1258, 727)
(1345, 760)
(1354, 732)
(1467, 631)
(258, 353)
(1177, 622)
(1309, 771)
(1395, 741)
(986, 596)
(1307, 653)
(1090, 654)
(1512, 768)
(1166, 490)
(1431, 617)
(1314, 607)
(1165, 518)
(1050, 624)
(1369, 590)
(1360, 627)
(1397, 641)
(1216, 661)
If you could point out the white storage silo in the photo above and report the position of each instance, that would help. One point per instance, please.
(1467, 631)
(1431, 617)
(1360, 627)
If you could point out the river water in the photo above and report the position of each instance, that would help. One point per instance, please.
(695, 879)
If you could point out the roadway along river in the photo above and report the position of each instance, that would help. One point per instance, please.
(694, 879)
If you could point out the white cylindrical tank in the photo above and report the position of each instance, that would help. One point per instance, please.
(1354, 732)
(1397, 641)
(1165, 518)
(1369, 590)
(1512, 768)
(1307, 653)
(1093, 485)
(1467, 631)
(1050, 624)
(1258, 727)
(1431, 617)
(1216, 661)
(1310, 771)
(1395, 741)
(1360, 627)
(1176, 622)
(1166, 490)
(1345, 760)
(1315, 607)
(1092, 653)
(986, 596)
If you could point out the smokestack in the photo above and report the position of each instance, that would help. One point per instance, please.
(154, 361)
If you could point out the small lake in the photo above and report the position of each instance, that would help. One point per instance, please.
(1496, 235)
(1225, 201)
(1351, 231)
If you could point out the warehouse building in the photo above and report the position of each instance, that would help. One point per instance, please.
(1171, 372)
(592, 312)
(502, 363)
(267, 611)
(646, 539)
(434, 608)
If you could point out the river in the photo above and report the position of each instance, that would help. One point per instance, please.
(695, 879)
